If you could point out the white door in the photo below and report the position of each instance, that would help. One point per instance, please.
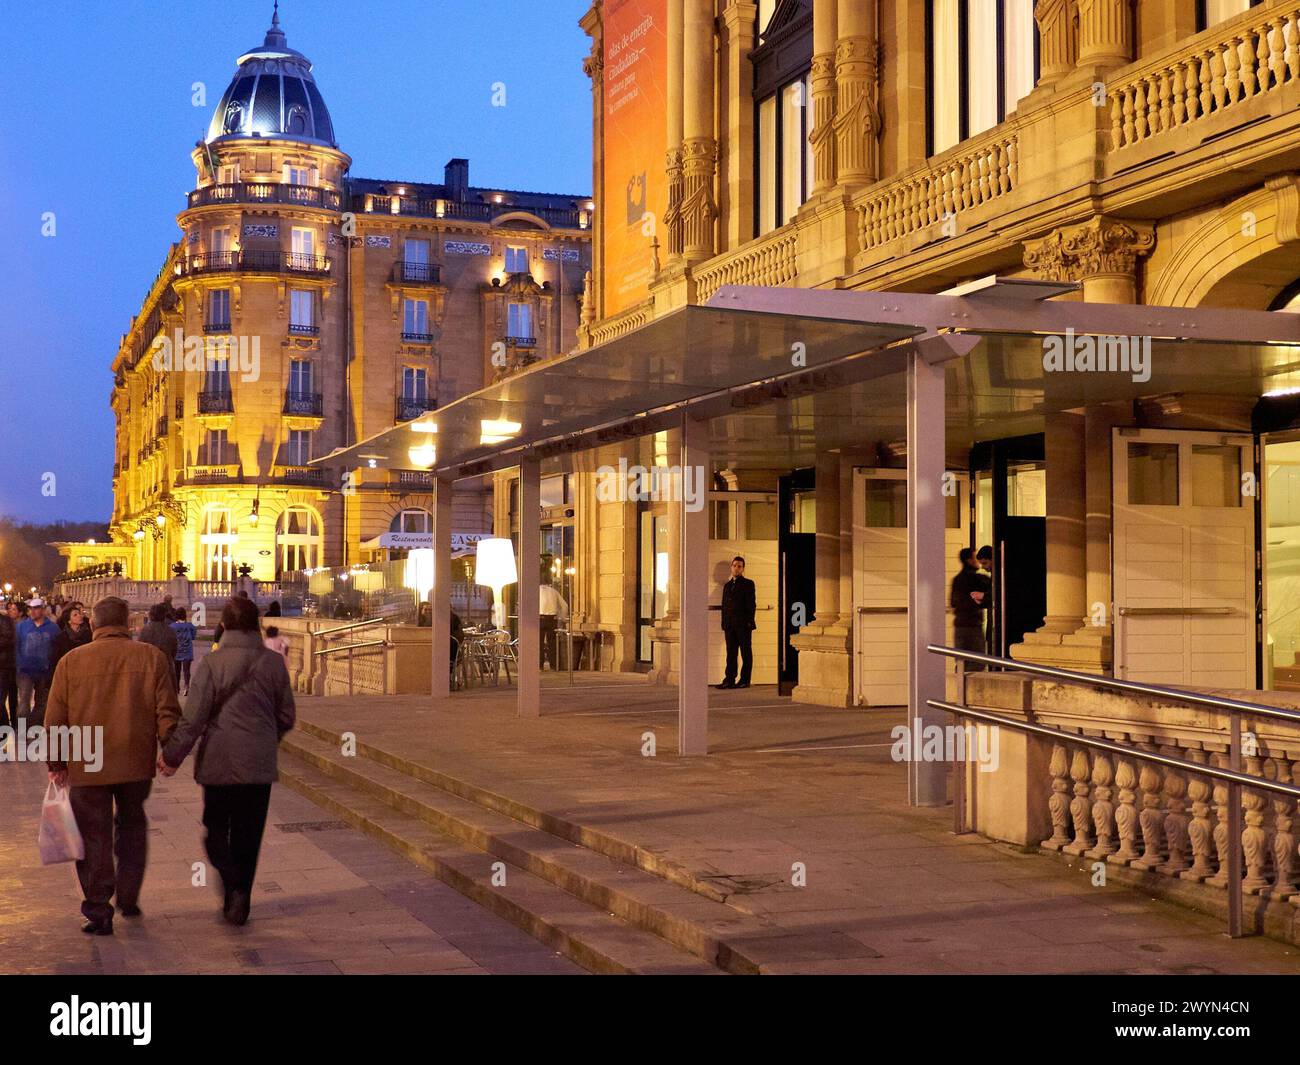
(1184, 558)
(880, 578)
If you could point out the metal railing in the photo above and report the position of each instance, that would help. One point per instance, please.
(1233, 775)
(417, 273)
(350, 648)
(407, 408)
(303, 403)
(266, 192)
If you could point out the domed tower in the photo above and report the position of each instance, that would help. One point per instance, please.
(260, 277)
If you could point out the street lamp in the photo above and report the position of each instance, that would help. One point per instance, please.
(494, 566)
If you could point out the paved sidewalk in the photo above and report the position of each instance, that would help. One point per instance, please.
(328, 900)
(889, 888)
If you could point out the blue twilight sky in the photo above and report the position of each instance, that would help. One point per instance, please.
(96, 126)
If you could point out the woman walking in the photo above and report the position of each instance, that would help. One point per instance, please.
(239, 706)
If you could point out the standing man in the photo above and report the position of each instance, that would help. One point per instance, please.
(738, 624)
(34, 657)
(985, 559)
(969, 600)
(122, 689)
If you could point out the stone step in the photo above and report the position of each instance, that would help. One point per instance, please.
(719, 935)
(592, 938)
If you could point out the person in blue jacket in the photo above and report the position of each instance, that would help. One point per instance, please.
(185, 633)
(34, 658)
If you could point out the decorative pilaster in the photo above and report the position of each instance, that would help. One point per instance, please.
(1058, 38)
(1105, 32)
(823, 134)
(674, 222)
(857, 111)
(698, 209)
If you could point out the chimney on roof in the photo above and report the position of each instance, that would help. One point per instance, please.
(457, 179)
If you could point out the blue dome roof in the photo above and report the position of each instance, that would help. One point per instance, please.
(273, 94)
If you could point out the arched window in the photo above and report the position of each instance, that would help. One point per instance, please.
(297, 541)
(412, 520)
(216, 545)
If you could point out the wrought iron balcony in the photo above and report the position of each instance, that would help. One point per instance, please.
(308, 404)
(303, 474)
(219, 402)
(217, 327)
(410, 408)
(266, 192)
(416, 273)
(297, 330)
(263, 261)
(521, 342)
(417, 338)
(206, 473)
(561, 217)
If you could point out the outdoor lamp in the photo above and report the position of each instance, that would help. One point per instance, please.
(423, 456)
(494, 565)
(161, 519)
(252, 514)
(138, 534)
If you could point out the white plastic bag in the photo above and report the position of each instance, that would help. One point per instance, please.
(60, 838)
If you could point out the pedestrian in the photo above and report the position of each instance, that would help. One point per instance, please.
(184, 660)
(275, 642)
(240, 706)
(553, 613)
(8, 677)
(122, 689)
(969, 600)
(158, 631)
(34, 657)
(738, 608)
(273, 611)
(985, 558)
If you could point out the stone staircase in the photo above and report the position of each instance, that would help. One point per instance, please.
(609, 906)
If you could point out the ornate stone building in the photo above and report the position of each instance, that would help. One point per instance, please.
(304, 309)
(1143, 150)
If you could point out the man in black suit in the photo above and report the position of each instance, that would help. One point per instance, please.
(738, 624)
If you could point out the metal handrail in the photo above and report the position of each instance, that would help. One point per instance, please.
(349, 626)
(351, 647)
(1232, 775)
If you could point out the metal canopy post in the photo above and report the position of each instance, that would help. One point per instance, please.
(530, 547)
(693, 575)
(440, 592)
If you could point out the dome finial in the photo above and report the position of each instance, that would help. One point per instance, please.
(275, 13)
(275, 35)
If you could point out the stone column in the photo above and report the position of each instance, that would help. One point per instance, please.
(673, 216)
(736, 191)
(1105, 32)
(823, 94)
(1058, 39)
(699, 149)
(857, 114)
(1066, 519)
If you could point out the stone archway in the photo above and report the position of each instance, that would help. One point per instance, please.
(1242, 256)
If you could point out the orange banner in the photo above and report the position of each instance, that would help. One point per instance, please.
(635, 134)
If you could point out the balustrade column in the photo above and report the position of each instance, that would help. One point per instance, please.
(1080, 805)
(1175, 818)
(1126, 817)
(1284, 842)
(1058, 806)
(1200, 829)
(1150, 819)
(1220, 879)
(1254, 838)
(1103, 810)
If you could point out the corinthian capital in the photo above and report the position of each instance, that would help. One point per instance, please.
(1093, 248)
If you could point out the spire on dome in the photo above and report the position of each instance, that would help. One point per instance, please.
(275, 37)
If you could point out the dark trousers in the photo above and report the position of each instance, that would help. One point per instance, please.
(739, 641)
(235, 815)
(9, 696)
(33, 690)
(970, 638)
(106, 833)
(183, 667)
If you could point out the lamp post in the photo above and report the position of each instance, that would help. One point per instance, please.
(494, 566)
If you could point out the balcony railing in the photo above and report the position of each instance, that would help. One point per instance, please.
(206, 473)
(220, 402)
(161, 428)
(303, 403)
(217, 327)
(263, 261)
(408, 409)
(413, 479)
(296, 474)
(298, 330)
(521, 342)
(266, 192)
(417, 338)
(563, 217)
(771, 261)
(416, 273)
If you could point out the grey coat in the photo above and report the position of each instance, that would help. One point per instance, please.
(161, 636)
(239, 706)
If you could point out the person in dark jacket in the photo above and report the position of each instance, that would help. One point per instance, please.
(738, 606)
(34, 657)
(185, 633)
(969, 600)
(158, 631)
(240, 705)
(8, 675)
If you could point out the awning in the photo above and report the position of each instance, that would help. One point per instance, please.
(461, 543)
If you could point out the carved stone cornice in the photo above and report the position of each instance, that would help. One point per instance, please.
(1094, 248)
(1286, 199)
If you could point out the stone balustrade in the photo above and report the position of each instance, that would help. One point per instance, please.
(619, 324)
(770, 260)
(1221, 70)
(969, 175)
(1166, 823)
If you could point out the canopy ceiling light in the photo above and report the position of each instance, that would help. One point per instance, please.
(423, 456)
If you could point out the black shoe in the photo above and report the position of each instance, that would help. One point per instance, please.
(236, 911)
(130, 911)
(743, 684)
(725, 684)
(98, 928)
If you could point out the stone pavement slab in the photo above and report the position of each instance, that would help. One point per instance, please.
(328, 900)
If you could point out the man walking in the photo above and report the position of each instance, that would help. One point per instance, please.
(738, 625)
(122, 689)
(36, 635)
(969, 600)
